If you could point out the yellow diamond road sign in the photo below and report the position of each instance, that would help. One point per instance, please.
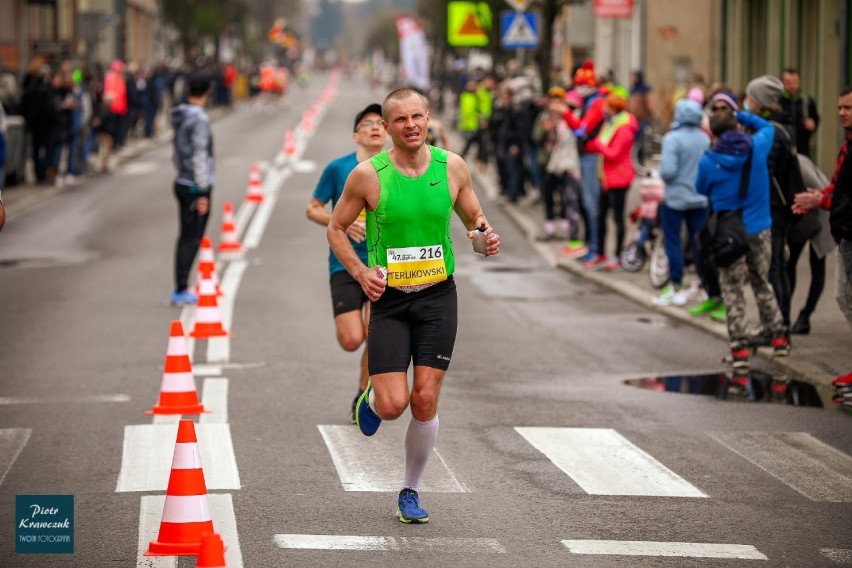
(468, 24)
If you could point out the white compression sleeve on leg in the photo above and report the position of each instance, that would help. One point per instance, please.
(419, 443)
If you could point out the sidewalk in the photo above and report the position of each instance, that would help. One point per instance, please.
(817, 358)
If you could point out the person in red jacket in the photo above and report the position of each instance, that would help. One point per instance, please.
(837, 198)
(614, 143)
(586, 125)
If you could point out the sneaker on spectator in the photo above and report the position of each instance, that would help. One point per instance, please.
(682, 296)
(589, 255)
(708, 306)
(781, 344)
(739, 358)
(843, 381)
(573, 249)
(596, 263)
(70, 179)
(612, 264)
(665, 297)
(719, 315)
(183, 298)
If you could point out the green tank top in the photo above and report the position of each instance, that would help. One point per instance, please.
(409, 230)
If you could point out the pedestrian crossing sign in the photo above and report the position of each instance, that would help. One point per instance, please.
(468, 24)
(519, 30)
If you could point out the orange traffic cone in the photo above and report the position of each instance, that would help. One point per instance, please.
(186, 513)
(207, 265)
(177, 390)
(208, 322)
(255, 191)
(212, 554)
(289, 144)
(229, 241)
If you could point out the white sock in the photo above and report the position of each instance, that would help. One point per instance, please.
(419, 443)
(371, 400)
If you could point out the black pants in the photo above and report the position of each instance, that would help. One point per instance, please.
(817, 265)
(611, 199)
(192, 227)
(778, 275)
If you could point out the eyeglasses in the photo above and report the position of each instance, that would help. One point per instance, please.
(721, 108)
(369, 124)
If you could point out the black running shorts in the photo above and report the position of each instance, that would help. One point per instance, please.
(417, 326)
(346, 293)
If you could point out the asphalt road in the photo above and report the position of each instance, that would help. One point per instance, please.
(545, 457)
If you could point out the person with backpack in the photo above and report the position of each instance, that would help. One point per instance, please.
(785, 181)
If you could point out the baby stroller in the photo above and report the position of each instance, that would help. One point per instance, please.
(646, 217)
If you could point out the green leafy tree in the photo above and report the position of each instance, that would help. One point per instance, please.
(195, 20)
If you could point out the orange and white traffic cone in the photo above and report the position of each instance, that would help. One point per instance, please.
(212, 554)
(229, 242)
(290, 144)
(207, 265)
(177, 390)
(255, 191)
(186, 513)
(208, 321)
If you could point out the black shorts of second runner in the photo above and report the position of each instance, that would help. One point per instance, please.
(346, 293)
(418, 326)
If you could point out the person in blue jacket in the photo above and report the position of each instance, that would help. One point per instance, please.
(683, 147)
(719, 175)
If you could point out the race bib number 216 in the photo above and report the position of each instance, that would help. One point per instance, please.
(415, 266)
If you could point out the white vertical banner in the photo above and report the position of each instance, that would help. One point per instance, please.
(414, 52)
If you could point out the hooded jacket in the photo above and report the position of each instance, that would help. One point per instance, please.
(720, 172)
(683, 147)
(193, 147)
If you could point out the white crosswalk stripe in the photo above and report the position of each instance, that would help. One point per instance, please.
(797, 459)
(389, 543)
(649, 548)
(12, 441)
(373, 464)
(603, 462)
(147, 457)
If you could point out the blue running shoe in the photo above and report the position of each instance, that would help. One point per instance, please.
(183, 298)
(365, 418)
(590, 255)
(408, 508)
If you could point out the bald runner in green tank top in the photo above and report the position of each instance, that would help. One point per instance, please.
(409, 230)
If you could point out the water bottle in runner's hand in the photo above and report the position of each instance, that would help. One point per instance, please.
(479, 240)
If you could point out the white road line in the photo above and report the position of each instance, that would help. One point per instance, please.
(148, 450)
(797, 459)
(224, 523)
(837, 555)
(259, 222)
(12, 441)
(205, 370)
(392, 543)
(602, 462)
(73, 399)
(374, 464)
(219, 348)
(243, 215)
(215, 400)
(649, 548)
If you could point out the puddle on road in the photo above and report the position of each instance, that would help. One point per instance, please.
(754, 386)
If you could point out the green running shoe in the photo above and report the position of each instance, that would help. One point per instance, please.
(720, 315)
(707, 306)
